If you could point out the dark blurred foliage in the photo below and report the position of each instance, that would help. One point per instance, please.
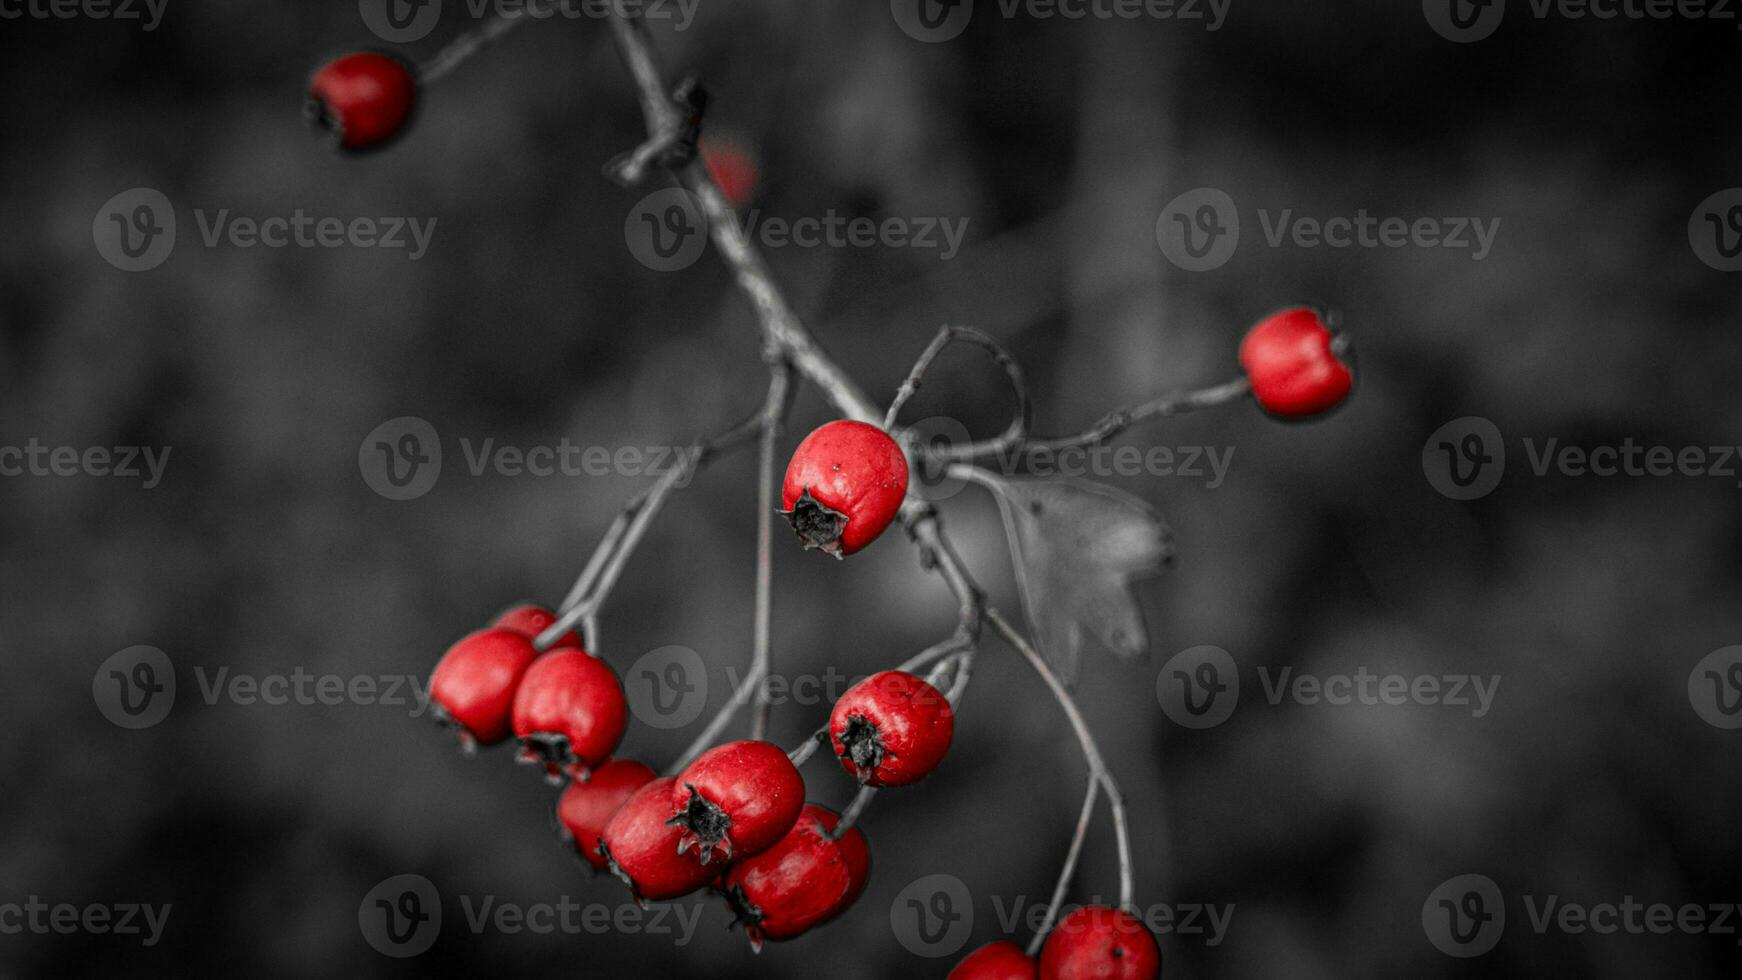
(529, 320)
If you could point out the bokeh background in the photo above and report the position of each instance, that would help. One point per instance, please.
(1060, 142)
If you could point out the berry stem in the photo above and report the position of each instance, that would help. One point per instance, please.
(607, 561)
(1017, 432)
(1119, 420)
(1098, 771)
(761, 653)
(469, 43)
(854, 810)
(1069, 869)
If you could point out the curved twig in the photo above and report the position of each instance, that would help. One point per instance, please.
(1016, 433)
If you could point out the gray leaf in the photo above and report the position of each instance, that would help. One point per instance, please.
(1076, 546)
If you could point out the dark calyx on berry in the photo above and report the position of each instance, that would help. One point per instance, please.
(549, 750)
(745, 913)
(862, 745)
(816, 525)
(707, 825)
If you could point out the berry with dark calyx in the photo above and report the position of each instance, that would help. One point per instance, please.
(473, 687)
(1291, 359)
(891, 729)
(640, 847)
(805, 879)
(569, 712)
(1100, 943)
(586, 806)
(363, 99)
(1002, 960)
(736, 800)
(844, 486)
(531, 620)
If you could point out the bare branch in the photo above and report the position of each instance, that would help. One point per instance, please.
(471, 42)
(1118, 421)
(1016, 433)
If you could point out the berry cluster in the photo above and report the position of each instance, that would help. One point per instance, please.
(733, 818)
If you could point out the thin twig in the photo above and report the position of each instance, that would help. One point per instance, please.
(469, 43)
(1070, 867)
(606, 564)
(1016, 433)
(1118, 421)
(1091, 752)
(854, 811)
(761, 653)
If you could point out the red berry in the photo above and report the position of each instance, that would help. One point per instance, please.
(473, 686)
(640, 847)
(364, 99)
(569, 712)
(802, 881)
(1292, 363)
(532, 620)
(844, 485)
(736, 800)
(732, 168)
(1100, 943)
(1002, 960)
(586, 806)
(891, 729)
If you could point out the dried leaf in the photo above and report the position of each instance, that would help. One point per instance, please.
(1077, 546)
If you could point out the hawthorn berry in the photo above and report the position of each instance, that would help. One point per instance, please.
(586, 806)
(732, 168)
(531, 620)
(844, 485)
(640, 847)
(1002, 960)
(473, 686)
(569, 712)
(1100, 943)
(891, 728)
(805, 879)
(736, 800)
(1292, 360)
(363, 99)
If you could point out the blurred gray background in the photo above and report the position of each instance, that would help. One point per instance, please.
(1060, 142)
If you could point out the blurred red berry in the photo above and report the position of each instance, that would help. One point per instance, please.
(472, 689)
(1294, 369)
(844, 486)
(736, 800)
(891, 728)
(364, 99)
(586, 806)
(569, 712)
(732, 167)
(1100, 943)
